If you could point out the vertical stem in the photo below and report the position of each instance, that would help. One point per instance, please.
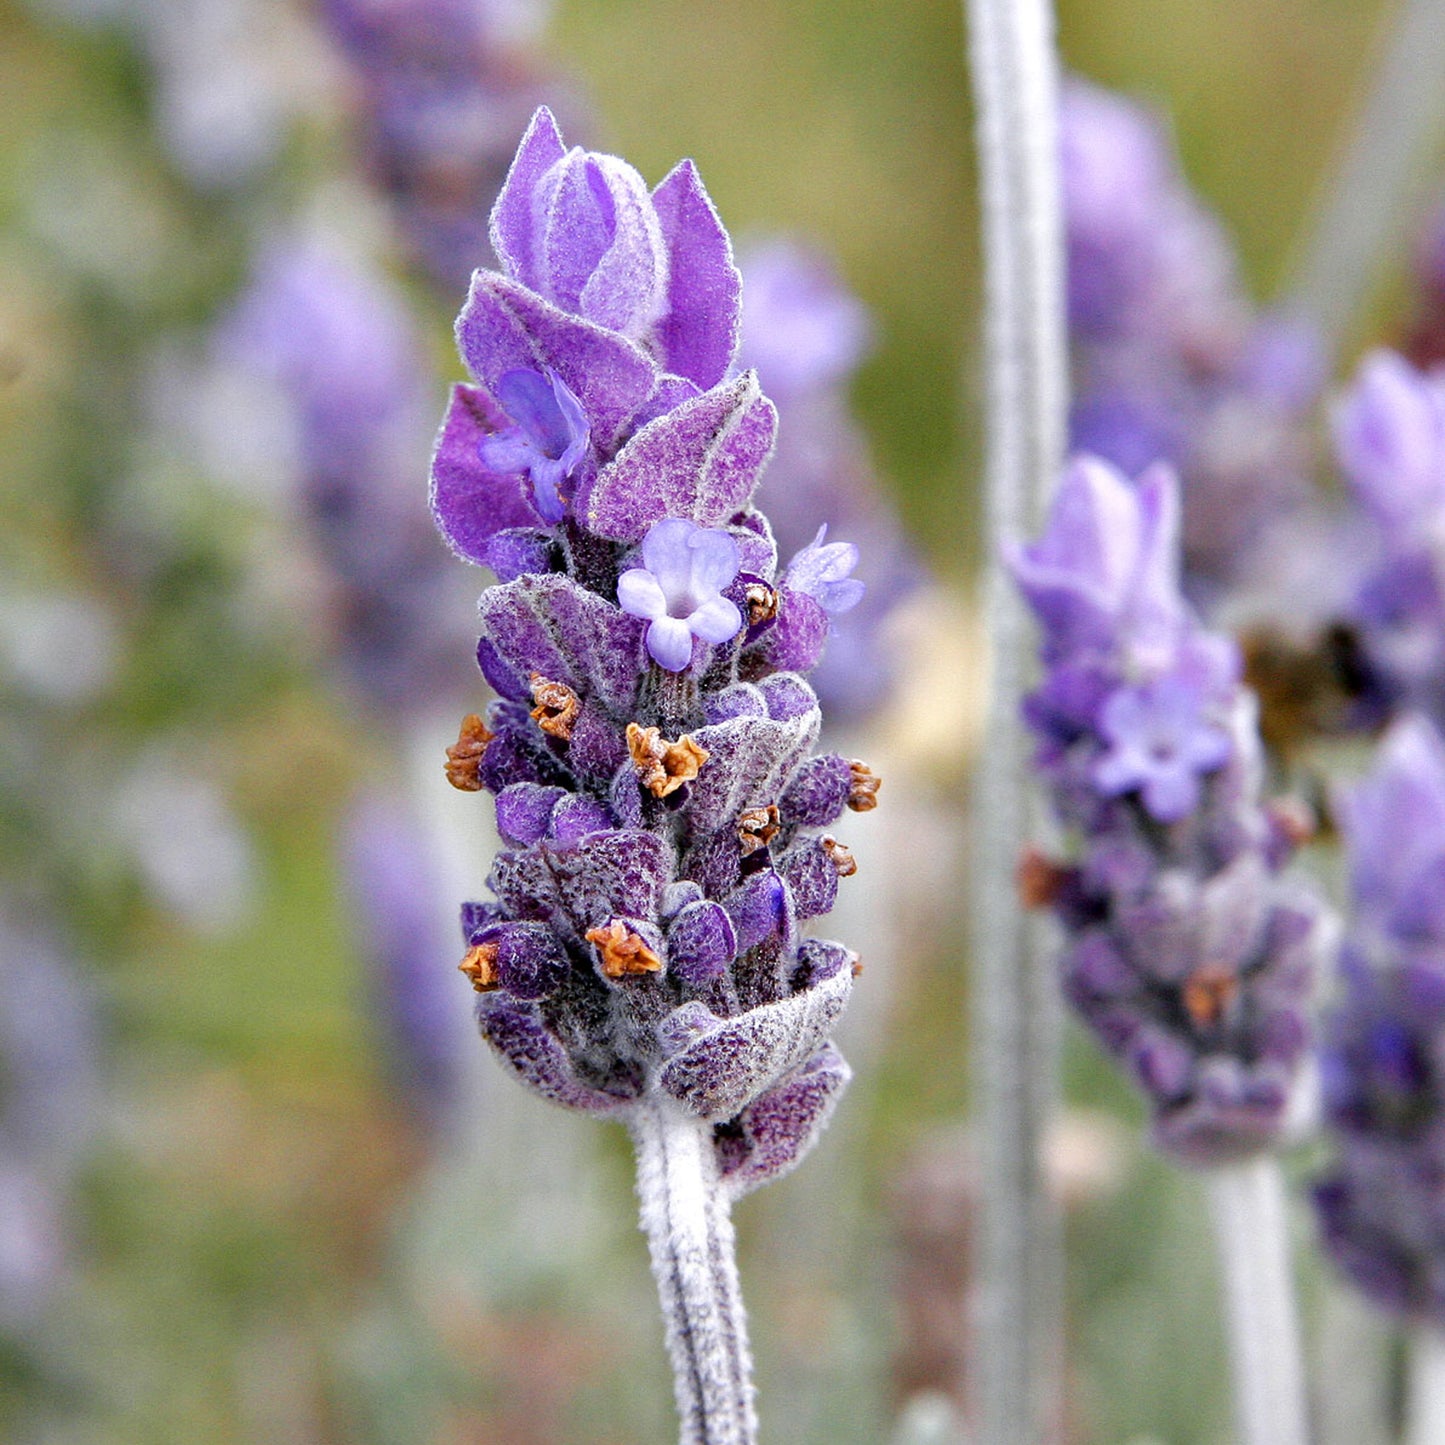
(1251, 1228)
(1381, 164)
(1016, 1330)
(1426, 1421)
(690, 1236)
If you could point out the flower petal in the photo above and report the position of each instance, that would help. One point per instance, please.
(669, 640)
(640, 595)
(717, 620)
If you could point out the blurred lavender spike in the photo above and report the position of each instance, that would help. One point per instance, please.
(443, 86)
(49, 1044)
(1187, 954)
(1383, 1093)
(805, 335)
(640, 957)
(391, 877)
(1171, 361)
(349, 374)
(1365, 201)
(1389, 436)
(1014, 71)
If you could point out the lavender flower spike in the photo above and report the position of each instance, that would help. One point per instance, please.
(641, 956)
(1384, 1094)
(1188, 956)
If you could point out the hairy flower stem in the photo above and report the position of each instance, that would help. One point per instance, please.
(1251, 1228)
(685, 1215)
(1011, 56)
(1382, 163)
(1426, 1418)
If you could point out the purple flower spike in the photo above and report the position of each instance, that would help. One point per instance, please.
(547, 440)
(678, 589)
(640, 953)
(822, 571)
(1187, 955)
(1161, 743)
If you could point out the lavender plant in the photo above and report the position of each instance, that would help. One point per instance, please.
(651, 750)
(1188, 955)
(1172, 363)
(444, 86)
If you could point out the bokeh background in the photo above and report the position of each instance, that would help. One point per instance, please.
(235, 1212)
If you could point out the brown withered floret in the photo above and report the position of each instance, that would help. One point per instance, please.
(1038, 879)
(464, 757)
(757, 827)
(622, 951)
(663, 767)
(841, 856)
(863, 785)
(1208, 992)
(1294, 818)
(557, 706)
(480, 966)
(762, 603)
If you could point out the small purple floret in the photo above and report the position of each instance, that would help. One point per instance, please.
(1161, 743)
(823, 570)
(547, 440)
(678, 589)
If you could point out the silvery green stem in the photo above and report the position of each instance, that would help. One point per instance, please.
(1351, 1355)
(1011, 56)
(1251, 1229)
(1426, 1420)
(1365, 203)
(685, 1215)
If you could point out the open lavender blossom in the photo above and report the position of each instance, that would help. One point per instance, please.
(1171, 362)
(1389, 432)
(651, 752)
(1187, 954)
(1378, 1203)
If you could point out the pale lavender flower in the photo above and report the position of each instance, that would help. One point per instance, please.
(679, 590)
(823, 571)
(547, 439)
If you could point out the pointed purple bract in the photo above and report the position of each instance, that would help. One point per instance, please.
(699, 461)
(699, 333)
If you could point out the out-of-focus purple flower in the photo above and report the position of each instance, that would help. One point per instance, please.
(804, 334)
(1186, 954)
(392, 882)
(823, 570)
(802, 330)
(660, 802)
(443, 87)
(49, 1062)
(1104, 576)
(679, 588)
(1171, 363)
(348, 371)
(1390, 441)
(1389, 432)
(547, 440)
(1378, 1203)
(1159, 742)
